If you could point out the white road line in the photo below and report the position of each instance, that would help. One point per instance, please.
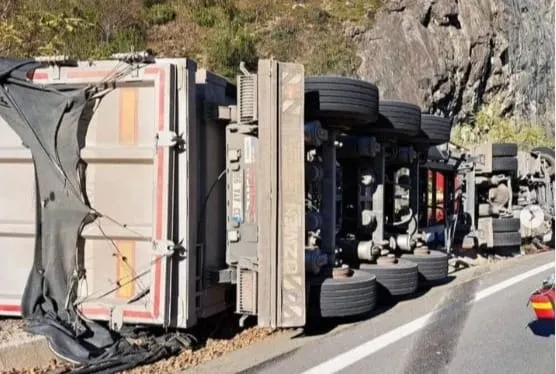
(356, 354)
(510, 282)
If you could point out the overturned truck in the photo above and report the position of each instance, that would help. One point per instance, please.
(148, 191)
(495, 198)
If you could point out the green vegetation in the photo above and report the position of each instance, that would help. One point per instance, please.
(489, 125)
(313, 36)
(217, 33)
(160, 14)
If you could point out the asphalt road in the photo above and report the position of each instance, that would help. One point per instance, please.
(445, 331)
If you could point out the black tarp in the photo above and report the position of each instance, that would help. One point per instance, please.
(53, 123)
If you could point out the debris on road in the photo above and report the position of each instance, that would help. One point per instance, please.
(215, 342)
(214, 348)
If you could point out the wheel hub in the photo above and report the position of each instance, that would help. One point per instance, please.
(387, 260)
(342, 272)
(422, 251)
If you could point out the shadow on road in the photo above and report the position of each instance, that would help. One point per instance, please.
(321, 326)
(542, 327)
(441, 282)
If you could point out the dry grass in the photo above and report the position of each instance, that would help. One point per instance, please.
(220, 33)
(217, 33)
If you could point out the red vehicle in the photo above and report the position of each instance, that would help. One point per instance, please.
(435, 213)
(542, 300)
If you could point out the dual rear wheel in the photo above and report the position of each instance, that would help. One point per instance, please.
(352, 105)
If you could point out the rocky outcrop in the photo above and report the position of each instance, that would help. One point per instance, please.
(451, 56)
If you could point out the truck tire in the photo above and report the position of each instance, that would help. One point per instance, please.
(435, 129)
(504, 164)
(432, 266)
(342, 297)
(341, 102)
(506, 239)
(506, 224)
(396, 279)
(396, 118)
(504, 150)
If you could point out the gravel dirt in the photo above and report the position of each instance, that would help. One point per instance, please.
(213, 348)
(54, 367)
(12, 330)
(216, 337)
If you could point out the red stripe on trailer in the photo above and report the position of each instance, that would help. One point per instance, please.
(139, 314)
(160, 151)
(43, 75)
(104, 312)
(37, 75)
(159, 185)
(13, 308)
(94, 311)
(89, 74)
(88, 311)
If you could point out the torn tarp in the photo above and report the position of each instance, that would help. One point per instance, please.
(53, 124)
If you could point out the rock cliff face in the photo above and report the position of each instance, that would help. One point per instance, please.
(451, 56)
